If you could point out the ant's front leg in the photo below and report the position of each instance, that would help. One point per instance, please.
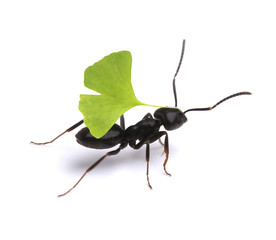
(166, 147)
(160, 142)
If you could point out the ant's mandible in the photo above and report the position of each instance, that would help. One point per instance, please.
(145, 131)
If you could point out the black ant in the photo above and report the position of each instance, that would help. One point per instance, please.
(145, 131)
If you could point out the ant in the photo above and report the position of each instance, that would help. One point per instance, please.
(142, 133)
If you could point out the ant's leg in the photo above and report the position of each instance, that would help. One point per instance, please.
(67, 130)
(147, 159)
(114, 152)
(139, 145)
(166, 147)
(166, 151)
(161, 142)
(122, 122)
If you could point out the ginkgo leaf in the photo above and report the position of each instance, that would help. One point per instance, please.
(111, 77)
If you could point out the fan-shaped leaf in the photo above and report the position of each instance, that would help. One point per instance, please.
(111, 77)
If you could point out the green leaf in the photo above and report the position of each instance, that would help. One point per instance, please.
(111, 77)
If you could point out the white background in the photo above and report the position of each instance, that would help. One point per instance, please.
(223, 163)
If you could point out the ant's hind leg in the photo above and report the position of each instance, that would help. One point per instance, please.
(114, 152)
(67, 130)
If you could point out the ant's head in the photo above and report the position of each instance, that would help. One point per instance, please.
(173, 118)
(170, 118)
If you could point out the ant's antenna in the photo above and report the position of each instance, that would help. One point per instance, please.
(221, 101)
(181, 57)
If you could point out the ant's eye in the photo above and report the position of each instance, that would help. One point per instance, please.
(171, 118)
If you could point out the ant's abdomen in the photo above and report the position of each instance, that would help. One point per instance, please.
(110, 139)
